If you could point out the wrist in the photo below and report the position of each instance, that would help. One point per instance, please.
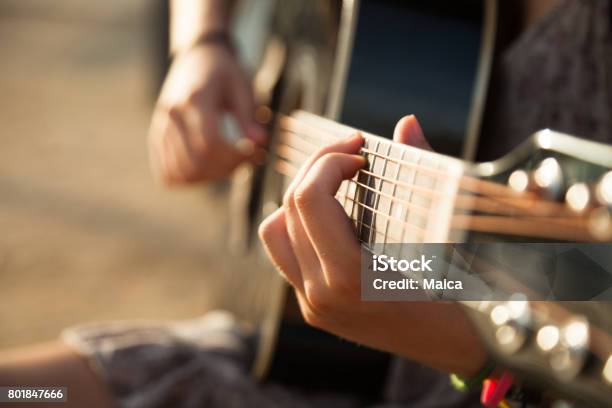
(190, 19)
(213, 38)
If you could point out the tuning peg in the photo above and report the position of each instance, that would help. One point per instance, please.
(513, 319)
(548, 337)
(600, 218)
(603, 190)
(571, 352)
(519, 181)
(578, 197)
(548, 178)
(511, 337)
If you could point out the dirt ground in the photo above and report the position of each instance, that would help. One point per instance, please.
(85, 234)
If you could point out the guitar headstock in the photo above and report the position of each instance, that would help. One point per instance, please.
(560, 185)
(551, 346)
(558, 188)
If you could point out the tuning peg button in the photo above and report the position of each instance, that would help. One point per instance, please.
(578, 197)
(571, 353)
(548, 337)
(603, 190)
(548, 179)
(600, 219)
(519, 181)
(514, 322)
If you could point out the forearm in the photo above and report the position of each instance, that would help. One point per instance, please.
(440, 335)
(55, 364)
(189, 19)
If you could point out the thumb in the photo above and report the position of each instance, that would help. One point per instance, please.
(408, 131)
(243, 109)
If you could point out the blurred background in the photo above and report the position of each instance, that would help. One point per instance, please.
(85, 233)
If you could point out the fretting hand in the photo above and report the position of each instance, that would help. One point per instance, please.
(312, 243)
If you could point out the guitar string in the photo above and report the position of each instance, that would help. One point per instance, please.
(377, 193)
(406, 187)
(436, 173)
(366, 150)
(468, 183)
(423, 211)
(321, 135)
(550, 230)
(519, 202)
(421, 189)
(525, 202)
(463, 202)
(545, 223)
(473, 202)
(359, 204)
(377, 211)
(464, 182)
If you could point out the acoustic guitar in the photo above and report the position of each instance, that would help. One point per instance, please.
(317, 64)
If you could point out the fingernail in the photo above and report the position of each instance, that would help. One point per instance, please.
(245, 146)
(355, 136)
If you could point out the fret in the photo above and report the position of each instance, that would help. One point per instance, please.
(378, 167)
(353, 195)
(381, 197)
(439, 230)
(392, 202)
(429, 221)
(408, 176)
(367, 194)
(420, 179)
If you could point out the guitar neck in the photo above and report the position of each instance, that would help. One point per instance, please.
(406, 194)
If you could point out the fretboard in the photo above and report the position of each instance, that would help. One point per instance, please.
(404, 194)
